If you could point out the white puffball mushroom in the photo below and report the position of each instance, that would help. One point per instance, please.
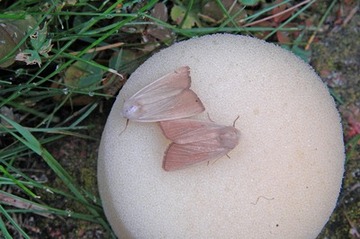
(281, 181)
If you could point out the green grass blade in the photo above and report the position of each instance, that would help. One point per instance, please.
(18, 183)
(3, 230)
(28, 139)
(13, 223)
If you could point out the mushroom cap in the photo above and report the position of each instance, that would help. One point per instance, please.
(281, 181)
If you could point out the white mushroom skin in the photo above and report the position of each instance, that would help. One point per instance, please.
(281, 181)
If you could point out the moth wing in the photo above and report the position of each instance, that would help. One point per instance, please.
(183, 131)
(179, 156)
(182, 105)
(166, 86)
(167, 98)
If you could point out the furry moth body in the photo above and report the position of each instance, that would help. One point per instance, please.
(195, 141)
(167, 98)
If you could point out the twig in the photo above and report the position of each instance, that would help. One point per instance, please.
(351, 15)
(277, 14)
(100, 48)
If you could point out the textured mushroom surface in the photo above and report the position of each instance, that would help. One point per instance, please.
(281, 181)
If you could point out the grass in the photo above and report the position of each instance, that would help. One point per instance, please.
(81, 52)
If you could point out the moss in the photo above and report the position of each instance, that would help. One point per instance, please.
(88, 179)
(338, 54)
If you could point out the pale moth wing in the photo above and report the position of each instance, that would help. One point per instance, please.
(167, 98)
(195, 141)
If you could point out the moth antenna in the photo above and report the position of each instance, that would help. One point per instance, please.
(235, 121)
(213, 161)
(258, 198)
(218, 159)
(126, 125)
(209, 117)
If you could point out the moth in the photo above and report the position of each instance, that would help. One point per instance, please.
(167, 98)
(194, 141)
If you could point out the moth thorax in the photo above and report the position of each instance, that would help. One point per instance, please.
(229, 137)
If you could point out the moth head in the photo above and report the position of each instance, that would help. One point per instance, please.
(131, 110)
